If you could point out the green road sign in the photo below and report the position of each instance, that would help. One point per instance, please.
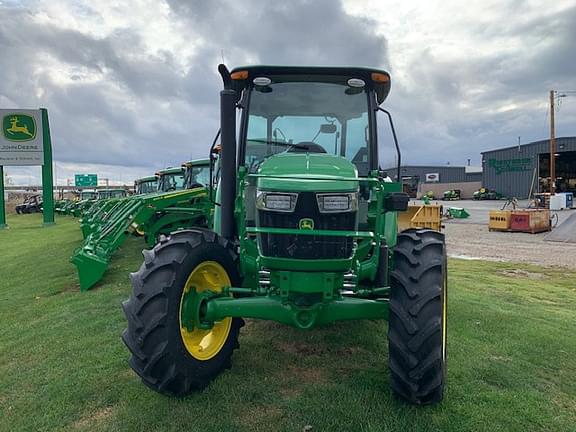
(18, 127)
(82, 180)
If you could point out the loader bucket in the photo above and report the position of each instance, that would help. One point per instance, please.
(91, 268)
(458, 213)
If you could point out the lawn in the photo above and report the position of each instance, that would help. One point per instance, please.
(511, 366)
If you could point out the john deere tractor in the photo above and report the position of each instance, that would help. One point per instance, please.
(304, 234)
(146, 185)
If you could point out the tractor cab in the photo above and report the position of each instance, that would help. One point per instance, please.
(316, 114)
(197, 173)
(308, 154)
(170, 179)
(146, 185)
(86, 195)
(111, 193)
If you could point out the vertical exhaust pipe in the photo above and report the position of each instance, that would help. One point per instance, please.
(228, 162)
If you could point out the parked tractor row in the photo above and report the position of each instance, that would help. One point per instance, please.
(181, 200)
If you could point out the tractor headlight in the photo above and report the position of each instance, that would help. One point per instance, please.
(336, 203)
(275, 201)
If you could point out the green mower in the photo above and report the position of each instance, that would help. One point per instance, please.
(452, 195)
(486, 194)
(304, 234)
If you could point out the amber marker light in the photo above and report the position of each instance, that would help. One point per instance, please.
(380, 77)
(239, 75)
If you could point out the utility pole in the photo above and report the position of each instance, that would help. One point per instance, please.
(552, 146)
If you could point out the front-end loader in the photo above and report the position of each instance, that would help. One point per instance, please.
(304, 234)
(182, 201)
(85, 201)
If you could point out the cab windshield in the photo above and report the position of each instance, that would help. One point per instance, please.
(308, 117)
(171, 182)
(146, 187)
(198, 175)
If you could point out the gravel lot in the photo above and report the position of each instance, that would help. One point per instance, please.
(471, 239)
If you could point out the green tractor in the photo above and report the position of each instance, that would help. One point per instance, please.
(304, 234)
(146, 185)
(85, 201)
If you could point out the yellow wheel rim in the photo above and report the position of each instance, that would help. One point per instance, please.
(205, 344)
(140, 231)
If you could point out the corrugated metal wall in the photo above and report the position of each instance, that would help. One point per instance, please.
(474, 177)
(447, 174)
(510, 170)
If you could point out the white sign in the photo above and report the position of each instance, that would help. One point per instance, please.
(21, 140)
(432, 177)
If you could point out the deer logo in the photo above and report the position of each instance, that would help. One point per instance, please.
(19, 127)
(306, 224)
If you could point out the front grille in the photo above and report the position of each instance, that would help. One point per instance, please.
(306, 246)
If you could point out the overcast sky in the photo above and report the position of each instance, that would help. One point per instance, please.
(132, 86)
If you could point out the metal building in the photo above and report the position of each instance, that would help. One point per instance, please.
(515, 171)
(413, 176)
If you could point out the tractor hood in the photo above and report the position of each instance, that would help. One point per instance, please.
(302, 172)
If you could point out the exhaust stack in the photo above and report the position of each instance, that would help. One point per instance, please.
(227, 156)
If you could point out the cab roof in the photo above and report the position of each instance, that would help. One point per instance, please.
(197, 162)
(378, 79)
(146, 179)
(170, 170)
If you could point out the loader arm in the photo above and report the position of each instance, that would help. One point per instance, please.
(156, 214)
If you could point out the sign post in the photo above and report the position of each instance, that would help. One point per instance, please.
(25, 140)
(2, 209)
(47, 177)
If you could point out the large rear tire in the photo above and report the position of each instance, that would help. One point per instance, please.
(170, 358)
(417, 324)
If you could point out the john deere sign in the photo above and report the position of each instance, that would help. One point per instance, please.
(21, 140)
(25, 140)
(510, 165)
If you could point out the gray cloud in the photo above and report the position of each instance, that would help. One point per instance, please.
(118, 103)
(90, 120)
(297, 32)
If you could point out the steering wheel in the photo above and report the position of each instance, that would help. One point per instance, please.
(306, 147)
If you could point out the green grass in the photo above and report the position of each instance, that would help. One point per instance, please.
(512, 355)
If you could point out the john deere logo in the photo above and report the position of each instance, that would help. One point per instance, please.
(19, 127)
(306, 224)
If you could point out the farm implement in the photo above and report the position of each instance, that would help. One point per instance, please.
(148, 214)
(304, 233)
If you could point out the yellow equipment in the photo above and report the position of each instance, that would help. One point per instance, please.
(421, 216)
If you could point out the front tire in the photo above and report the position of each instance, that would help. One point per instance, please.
(417, 324)
(168, 357)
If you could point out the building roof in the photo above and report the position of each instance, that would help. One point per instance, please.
(473, 169)
(533, 143)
